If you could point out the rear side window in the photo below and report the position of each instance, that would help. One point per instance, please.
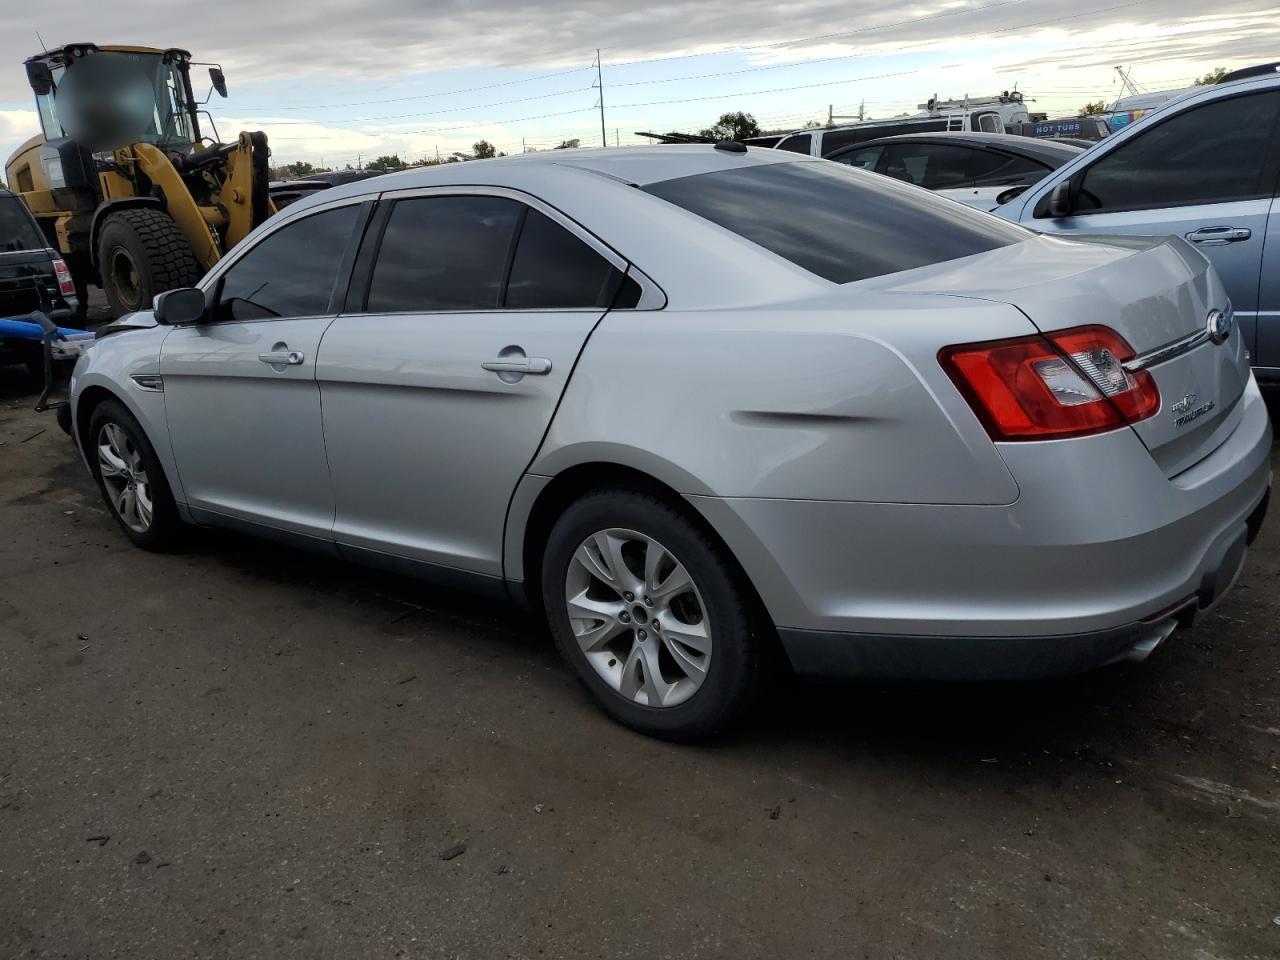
(292, 272)
(554, 269)
(865, 159)
(1211, 154)
(444, 253)
(17, 230)
(840, 224)
(799, 144)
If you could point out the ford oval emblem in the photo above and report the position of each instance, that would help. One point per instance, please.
(1219, 326)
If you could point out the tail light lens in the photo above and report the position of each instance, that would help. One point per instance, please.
(1044, 387)
(66, 286)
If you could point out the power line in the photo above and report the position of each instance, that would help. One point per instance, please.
(426, 96)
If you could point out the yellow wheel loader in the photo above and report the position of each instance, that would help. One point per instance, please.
(122, 181)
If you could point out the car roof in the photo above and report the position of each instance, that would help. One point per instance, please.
(634, 166)
(1050, 151)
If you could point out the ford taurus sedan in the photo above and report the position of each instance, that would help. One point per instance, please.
(713, 413)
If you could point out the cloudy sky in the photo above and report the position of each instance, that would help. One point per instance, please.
(346, 80)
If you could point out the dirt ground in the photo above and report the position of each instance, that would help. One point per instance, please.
(242, 751)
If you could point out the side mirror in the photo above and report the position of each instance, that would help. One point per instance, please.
(40, 77)
(219, 80)
(1060, 200)
(177, 307)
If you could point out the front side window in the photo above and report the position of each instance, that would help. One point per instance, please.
(292, 272)
(934, 166)
(837, 224)
(1210, 154)
(444, 253)
(798, 144)
(989, 168)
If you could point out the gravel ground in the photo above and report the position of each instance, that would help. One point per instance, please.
(242, 751)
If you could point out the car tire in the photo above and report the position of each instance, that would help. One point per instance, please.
(625, 665)
(129, 477)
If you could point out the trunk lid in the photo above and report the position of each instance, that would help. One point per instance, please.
(1157, 293)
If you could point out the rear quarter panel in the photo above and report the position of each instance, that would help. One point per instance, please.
(841, 398)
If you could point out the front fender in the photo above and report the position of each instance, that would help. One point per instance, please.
(109, 367)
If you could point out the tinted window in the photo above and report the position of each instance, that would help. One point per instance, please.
(987, 123)
(553, 268)
(444, 253)
(933, 166)
(17, 230)
(862, 159)
(800, 144)
(838, 223)
(292, 272)
(833, 140)
(989, 168)
(1212, 153)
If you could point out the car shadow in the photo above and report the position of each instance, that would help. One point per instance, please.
(967, 721)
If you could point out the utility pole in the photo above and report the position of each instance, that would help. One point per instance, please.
(359, 158)
(523, 148)
(862, 111)
(604, 137)
(617, 141)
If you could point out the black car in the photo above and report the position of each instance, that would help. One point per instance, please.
(32, 277)
(941, 161)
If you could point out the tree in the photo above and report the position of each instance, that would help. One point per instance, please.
(391, 162)
(733, 126)
(1089, 109)
(1213, 76)
(483, 150)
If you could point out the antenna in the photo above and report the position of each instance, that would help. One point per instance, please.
(43, 48)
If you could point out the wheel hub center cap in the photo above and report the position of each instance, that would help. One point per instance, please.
(639, 614)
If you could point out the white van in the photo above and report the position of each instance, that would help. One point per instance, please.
(973, 115)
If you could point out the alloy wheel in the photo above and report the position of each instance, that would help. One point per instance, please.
(125, 477)
(638, 617)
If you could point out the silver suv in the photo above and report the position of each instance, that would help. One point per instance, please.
(1203, 167)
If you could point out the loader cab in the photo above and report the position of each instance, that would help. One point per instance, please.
(108, 97)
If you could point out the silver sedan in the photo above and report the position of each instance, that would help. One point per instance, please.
(713, 413)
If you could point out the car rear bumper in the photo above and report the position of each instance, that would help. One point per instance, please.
(1091, 560)
(828, 654)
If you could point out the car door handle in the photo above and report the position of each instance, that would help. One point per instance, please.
(1215, 236)
(534, 366)
(283, 358)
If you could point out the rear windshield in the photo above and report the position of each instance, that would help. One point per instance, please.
(839, 223)
(17, 230)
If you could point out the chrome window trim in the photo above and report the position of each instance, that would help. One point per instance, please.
(652, 296)
(238, 252)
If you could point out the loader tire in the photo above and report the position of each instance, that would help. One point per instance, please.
(141, 252)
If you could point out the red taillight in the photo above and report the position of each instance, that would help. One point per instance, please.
(66, 286)
(1044, 387)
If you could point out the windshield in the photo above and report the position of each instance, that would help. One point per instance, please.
(110, 99)
(838, 223)
(17, 230)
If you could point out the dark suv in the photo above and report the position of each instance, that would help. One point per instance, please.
(32, 277)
